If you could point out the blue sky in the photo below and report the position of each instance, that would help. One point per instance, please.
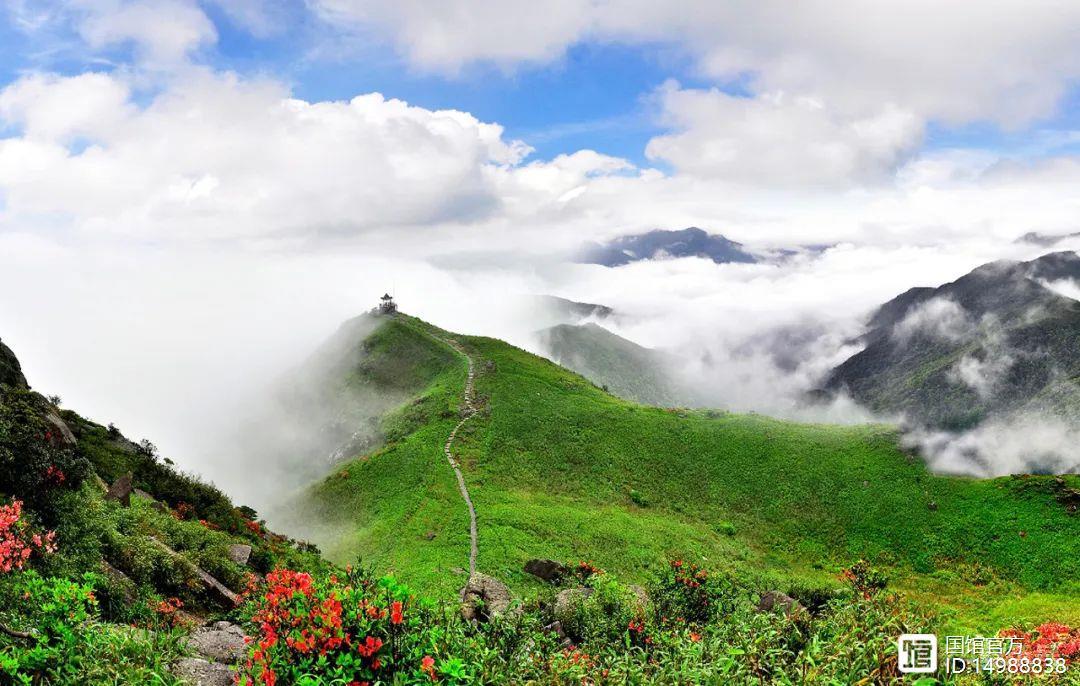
(598, 94)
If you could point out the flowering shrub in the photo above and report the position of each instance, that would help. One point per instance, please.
(864, 579)
(54, 475)
(17, 541)
(686, 592)
(586, 570)
(35, 461)
(1048, 640)
(168, 611)
(351, 630)
(183, 511)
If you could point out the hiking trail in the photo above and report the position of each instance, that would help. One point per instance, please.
(469, 411)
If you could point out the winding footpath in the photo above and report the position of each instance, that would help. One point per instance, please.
(469, 411)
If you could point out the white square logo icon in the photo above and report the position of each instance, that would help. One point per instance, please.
(917, 653)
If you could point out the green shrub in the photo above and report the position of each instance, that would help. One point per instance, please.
(814, 597)
(686, 591)
(639, 498)
(726, 528)
(35, 463)
(67, 645)
(53, 612)
(603, 613)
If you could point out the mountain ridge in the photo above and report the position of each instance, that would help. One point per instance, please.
(559, 469)
(989, 343)
(663, 243)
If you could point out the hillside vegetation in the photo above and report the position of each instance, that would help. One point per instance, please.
(99, 585)
(998, 342)
(618, 365)
(558, 468)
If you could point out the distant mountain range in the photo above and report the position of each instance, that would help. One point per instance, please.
(1045, 240)
(997, 341)
(660, 244)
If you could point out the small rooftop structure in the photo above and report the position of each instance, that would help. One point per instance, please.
(387, 304)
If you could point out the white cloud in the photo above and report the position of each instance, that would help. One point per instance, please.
(163, 31)
(216, 157)
(56, 109)
(1017, 444)
(445, 36)
(1006, 61)
(941, 318)
(776, 139)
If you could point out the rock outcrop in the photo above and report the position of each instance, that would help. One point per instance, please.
(484, 597)
(213, 587)
(546, 570)
(220, 642)
(771, 601)
(11, 373)
(195, 671)
(239, 553)
(218, 648)
(566, 599)
(121, 490)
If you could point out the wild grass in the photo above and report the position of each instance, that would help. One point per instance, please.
(553, 464)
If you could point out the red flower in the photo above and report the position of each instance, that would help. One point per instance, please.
(395, 612)
(427, 666)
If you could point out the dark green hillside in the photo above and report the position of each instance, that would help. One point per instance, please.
(94, 561)
(995, 342)
(558, 468)
(622, 367)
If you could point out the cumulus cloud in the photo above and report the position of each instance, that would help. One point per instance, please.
(217, 157)
(776, 139)
(51, 108)
(438, 36)
(1007, 61)
(162, 31)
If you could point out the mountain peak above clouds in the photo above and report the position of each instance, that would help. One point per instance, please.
(999, 340)
(663, 244)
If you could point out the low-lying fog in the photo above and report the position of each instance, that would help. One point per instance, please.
(180, 347)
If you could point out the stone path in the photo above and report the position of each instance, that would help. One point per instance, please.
(469, 411)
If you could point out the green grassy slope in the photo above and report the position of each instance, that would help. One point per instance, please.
(558, 468)
(622, 367)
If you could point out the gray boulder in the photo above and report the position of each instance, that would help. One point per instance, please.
(546, 570)
(10, 371)
(484, 597)
(239, 553)
(641, 597)
(195, 671)
(221, 642)
(566, 599)
(120, 583)
(60, 432)
(121, 490)
(771, 601)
